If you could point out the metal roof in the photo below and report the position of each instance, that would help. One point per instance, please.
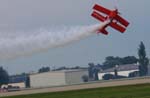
(62, 71)
(122, 68)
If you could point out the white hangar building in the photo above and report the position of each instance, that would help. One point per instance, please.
(123, 70)
(57, 78)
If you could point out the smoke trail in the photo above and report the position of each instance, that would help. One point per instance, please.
(18, 44)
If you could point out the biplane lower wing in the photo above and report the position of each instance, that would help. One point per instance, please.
(122, 21)
(117, 27)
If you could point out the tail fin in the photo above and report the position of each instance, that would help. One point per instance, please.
(103, 31)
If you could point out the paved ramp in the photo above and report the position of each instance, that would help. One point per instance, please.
(121, 82)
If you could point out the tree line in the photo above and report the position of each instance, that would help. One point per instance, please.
(112, 61)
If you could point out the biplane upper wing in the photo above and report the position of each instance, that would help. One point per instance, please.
(107, 11)
(101, 9)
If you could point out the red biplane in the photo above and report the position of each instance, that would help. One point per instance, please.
(116, 21)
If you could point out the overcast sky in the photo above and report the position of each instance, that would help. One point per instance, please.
(32, 14)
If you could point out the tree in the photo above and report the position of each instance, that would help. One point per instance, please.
(129, 60)
(61, 68)
(4, 77)
(93, 71)
(90, 70)
(143, 60)
(85, 78)
(111, 61)
(44, 69)
(96, 71)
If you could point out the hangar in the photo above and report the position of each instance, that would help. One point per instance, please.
(57, 78)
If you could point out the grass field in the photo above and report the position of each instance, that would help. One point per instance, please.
(135, 91)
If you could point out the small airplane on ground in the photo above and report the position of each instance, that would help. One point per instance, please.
(116, 21)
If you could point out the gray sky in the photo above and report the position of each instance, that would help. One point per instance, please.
(31, 14)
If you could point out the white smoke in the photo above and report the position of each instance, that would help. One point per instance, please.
(18, 44)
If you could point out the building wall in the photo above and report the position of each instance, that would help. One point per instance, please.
(47, 79)
(100, 75)
(75, 77)
(148, 70)
(122, 73)
(126, 73)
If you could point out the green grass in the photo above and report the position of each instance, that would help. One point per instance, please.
(134, 91)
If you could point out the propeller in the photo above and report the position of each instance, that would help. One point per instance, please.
(116, 8)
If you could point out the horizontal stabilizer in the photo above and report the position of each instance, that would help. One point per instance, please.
(103, 31)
